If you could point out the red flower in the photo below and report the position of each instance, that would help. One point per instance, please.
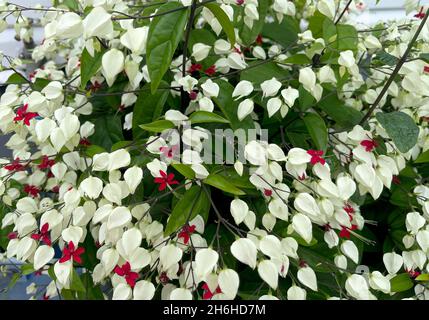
(193, 95)
(316, 156)
(23, 115)
(210, 70)
(94, 87)
(43, 235)
(345, 232)
(369, 145)
(195, 67)
(12, 235)
(259, 39)
(125, 271)
(350, 211)
(165, 180)
(268, 192)
(396, 180)
(31, 190)
(413, 273)
(239, 2)
(168, 152)
(46, 163)
(186, 232)
(84, 142)
(15, 166)
(420, 14)
(69, 252)
(207, 295)
(163, 278)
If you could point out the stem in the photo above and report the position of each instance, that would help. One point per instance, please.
(344, 11)
(185, 49)
(395, 72)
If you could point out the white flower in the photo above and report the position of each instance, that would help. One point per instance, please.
(169, 255)
(307, 277)
(308, 78)
(210, 89)
(270, 87)
(112, 65)
(200, 51)
(69, 26)
(239, 210)
(92, 187)
(296, 293)
(302, 225)
(327, 7)
(228, 282)
(133, 176)
(135, 39)
(267, 270)
(205, 260)
(347, 59)
(242, 89)
(245, 108)
(97, 23)
(244, 251)
(349, 249)
(255, 153)
(43, 255)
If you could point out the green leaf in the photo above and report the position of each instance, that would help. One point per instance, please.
(223, 184)
(305, 99)
(229, 107)
(258, 72)
(347, 37)
(423, 158)
(223, 20)
(401, 282)
(298, 59)
(76, 283)
(423, 277)
(40, 83)
(27, 269)
(121, 145)
(344, 116)
(157, 126)
(401, 128)
(206, 117)
(89, 66)
(71, 4)
(93, 149)
(13, 280)
(185, 170)
(16, 78)
(165, 33)
(387, 58)
(148, 107)
(249, 35)
(317, 128)
(284, 33)
(424, 57)
(186, 209)
(108, 131)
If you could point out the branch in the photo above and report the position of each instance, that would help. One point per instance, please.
(344, 11)
(395, 72)
(185, 49)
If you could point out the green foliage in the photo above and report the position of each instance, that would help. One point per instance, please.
(317, 128)
(401, 128)
(148, 107)
(165, 33)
